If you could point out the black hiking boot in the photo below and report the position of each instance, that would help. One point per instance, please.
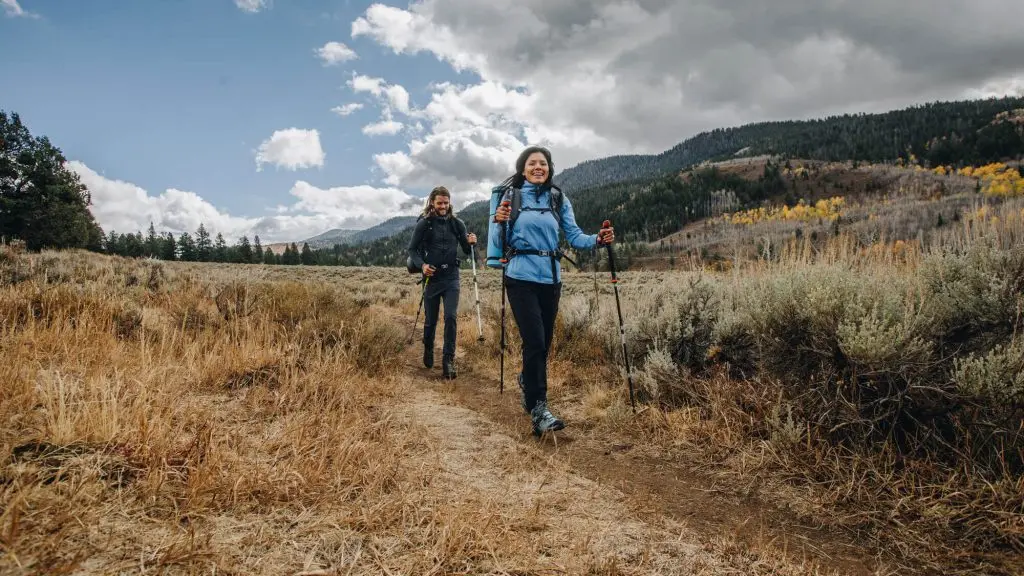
(448, 367)
(544, 420)
(428, 355)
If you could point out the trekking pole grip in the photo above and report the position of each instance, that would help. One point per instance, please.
(611, 254)
(504, 233)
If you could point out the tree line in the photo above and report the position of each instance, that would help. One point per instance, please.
(200, 246)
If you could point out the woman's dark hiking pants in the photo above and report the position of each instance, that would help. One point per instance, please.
(534, 306)
(442, 286)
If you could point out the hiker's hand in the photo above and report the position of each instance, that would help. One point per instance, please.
(471, 238)
(502, 213)
(606, 236)
(428, 270)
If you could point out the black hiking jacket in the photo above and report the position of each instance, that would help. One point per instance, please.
(436, 240)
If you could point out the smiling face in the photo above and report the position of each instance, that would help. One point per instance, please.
(441, 204)
(536, 169)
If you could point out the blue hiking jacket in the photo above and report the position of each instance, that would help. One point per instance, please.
(535, 231)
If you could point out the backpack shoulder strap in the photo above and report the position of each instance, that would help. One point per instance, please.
(517, 207)
(428, 229)
(555, 200)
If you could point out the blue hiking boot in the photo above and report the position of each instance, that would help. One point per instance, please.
(544, 420)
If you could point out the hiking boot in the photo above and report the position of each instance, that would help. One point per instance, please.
(543, 420)
(522, 389)
(428, 355)
(448, 367)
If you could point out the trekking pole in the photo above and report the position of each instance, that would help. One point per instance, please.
(505, 202)
(476, 294)
(618, 307)
(424, 280)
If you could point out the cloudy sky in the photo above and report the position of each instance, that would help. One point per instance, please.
(285, 118)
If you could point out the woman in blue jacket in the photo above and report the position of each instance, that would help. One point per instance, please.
(533, 275)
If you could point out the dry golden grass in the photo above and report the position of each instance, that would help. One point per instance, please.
(218, 419)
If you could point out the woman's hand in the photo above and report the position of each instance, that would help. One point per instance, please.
(502, 213)
(606, 236)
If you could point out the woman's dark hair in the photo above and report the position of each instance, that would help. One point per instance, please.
(517, 180)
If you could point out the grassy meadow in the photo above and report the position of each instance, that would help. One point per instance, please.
(216, 419)
(162, 417)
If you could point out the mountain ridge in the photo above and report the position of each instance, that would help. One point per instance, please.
(345, 236)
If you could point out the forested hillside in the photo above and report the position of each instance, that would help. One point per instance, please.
(646, 199)
(962, 132)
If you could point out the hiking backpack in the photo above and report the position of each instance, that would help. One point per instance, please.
(428, 233)
(554, 207)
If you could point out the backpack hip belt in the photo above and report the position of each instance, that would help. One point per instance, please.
(552, 254)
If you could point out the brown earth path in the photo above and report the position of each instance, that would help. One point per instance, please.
(620, 493)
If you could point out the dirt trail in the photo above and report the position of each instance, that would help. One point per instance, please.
(651, 512)
(571, 521)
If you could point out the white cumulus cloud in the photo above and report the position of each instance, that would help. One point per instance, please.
(292, 149)
(252, 6)
(125, 207)
(346, 109)
(335, 53)
(391, 95)
(13, 10)
(386, 126)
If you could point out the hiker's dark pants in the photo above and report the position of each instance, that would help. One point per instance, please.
(534, 306)
(442, 286)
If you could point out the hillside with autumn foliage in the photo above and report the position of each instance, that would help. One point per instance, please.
(650, 198)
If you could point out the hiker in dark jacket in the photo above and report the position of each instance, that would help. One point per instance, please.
(434, 249)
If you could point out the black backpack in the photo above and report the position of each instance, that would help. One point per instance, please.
(428, 233)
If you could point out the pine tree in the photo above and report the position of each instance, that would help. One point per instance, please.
(220, 249)
(152, 242)
(308, 258)
(187, 251)
(204, 246)
(245, 254)
(168, 248)
(291, 254)
(42, 201)
(257, 249)
(111, 244)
